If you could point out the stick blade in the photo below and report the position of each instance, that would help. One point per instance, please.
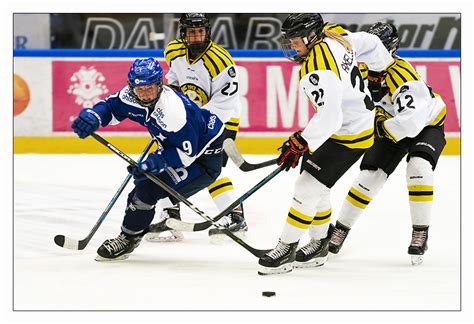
(187, 227)
(233, 152)
(68, 243)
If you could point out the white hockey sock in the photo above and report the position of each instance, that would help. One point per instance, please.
(420, 190)
(320, 224)
(222, 193)
(365, 187)
(308, 193)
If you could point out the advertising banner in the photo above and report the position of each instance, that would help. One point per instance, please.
(238, 30)
(271, 102)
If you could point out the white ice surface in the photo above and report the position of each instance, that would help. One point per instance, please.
(372, 271)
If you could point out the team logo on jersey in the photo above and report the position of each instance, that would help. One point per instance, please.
(314, 79)
(195, 93)
(87, 86)
(231, 72)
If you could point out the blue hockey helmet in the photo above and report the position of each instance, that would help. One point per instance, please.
(144, 72)
(308, 26)
(388, 35)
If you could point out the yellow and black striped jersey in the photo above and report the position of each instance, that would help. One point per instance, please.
(211, 80)
(330, 78)
(410, 103)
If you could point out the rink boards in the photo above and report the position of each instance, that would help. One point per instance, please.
(272, 106)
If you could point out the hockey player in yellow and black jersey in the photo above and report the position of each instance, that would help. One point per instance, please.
(339, 132)
(207, 74)
(409, 121)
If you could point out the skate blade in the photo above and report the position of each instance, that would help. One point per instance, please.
(219, 239)
(120, 258)
(416, 260)
(285, 268)
(167, 236)
(316, 262)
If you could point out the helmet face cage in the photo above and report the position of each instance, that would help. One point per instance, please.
(388, 35)
(195, 20)
(145, 72)
(300, 25)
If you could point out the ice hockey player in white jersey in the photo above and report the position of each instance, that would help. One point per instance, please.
(409, 122)
(207, 74)
(339, 132)
(189, 155)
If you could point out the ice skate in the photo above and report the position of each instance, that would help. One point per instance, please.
(279, 260)
(315, 253)
(160, 232)
(418, 245)
(337, 238)
(118, 248)
(234, 222)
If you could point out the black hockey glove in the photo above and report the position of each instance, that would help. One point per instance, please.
(376, 85)
(380, 129)
(292, 150)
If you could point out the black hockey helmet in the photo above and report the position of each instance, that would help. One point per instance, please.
(193, 20)
(300, 25)
(388, 35)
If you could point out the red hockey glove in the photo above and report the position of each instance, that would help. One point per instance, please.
(292, 150)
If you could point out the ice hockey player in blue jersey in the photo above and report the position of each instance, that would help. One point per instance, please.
(189, 156)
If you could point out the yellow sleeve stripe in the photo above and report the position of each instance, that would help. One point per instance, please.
(319, 57)
(173, 50)
(308, 65)
(216, 59)
(439, 120)
(398, 74)
(329, 60)
(407, 67)
(336, 29)
(211, 67)
(222, 60)
(224, 52)
(233, 124)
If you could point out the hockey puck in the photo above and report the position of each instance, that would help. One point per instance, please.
(268, 293)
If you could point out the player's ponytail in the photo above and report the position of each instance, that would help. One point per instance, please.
(338, 38)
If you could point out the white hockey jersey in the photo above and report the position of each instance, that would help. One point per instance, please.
(211, 80)
(331, 79)
(410, 102)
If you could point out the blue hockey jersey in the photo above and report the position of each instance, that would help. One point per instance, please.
(182, 129)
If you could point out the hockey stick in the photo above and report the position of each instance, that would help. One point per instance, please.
(178, 196)
(196, 227)
(234, 154)
(73, 244)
